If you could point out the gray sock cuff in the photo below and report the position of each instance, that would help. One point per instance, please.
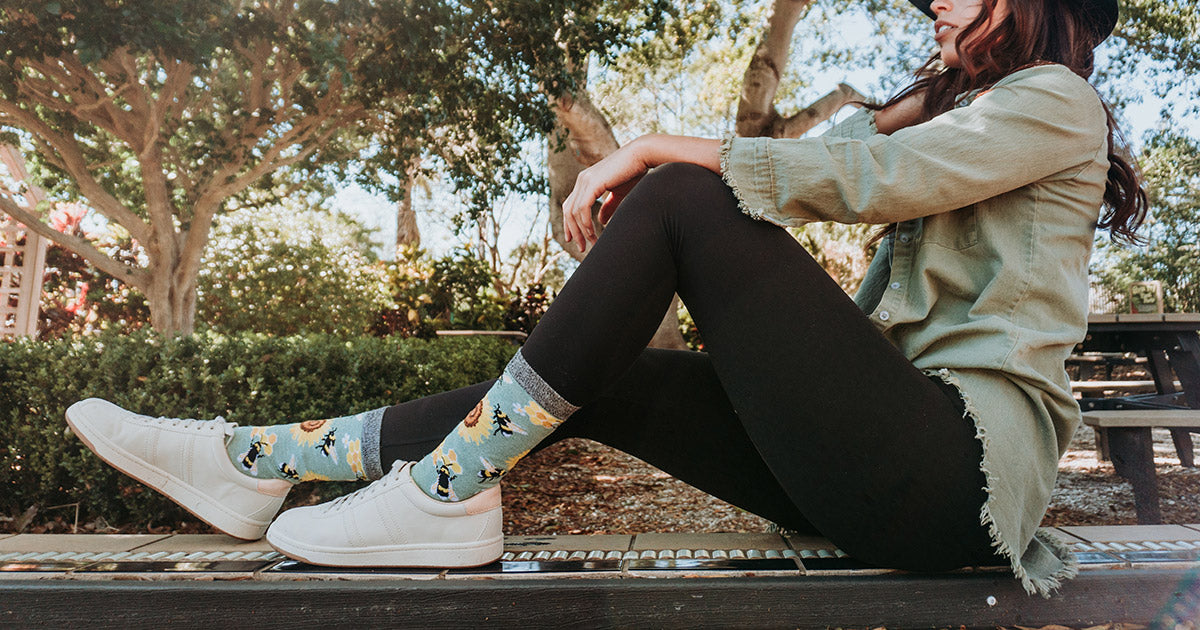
(372, 425)
(538, 389)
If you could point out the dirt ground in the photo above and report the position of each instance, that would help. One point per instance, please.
(580, 487)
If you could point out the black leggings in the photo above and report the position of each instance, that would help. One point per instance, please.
(800, 411)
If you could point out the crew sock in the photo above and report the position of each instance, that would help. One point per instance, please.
(515, 414)
(336, 449)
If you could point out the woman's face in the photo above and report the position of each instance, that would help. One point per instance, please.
(952, 16)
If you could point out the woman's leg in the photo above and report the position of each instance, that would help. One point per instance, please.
(668, 409)
(872, 452)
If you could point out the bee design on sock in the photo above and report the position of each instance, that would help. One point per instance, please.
(447, 464)
(504, 425)
(328, 445)
(288, 470)
(261, 444)
(489, 471)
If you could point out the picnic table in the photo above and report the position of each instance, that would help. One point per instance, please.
(1169, 341)
(1171, 344)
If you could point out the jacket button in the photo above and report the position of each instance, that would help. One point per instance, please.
(904, 238)
(895, 285)
(884, 315)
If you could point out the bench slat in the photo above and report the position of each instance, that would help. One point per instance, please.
(1143, 418)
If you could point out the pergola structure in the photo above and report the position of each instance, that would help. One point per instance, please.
(22, 253)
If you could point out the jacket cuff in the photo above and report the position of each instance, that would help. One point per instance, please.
(746, 169)
(860, 125)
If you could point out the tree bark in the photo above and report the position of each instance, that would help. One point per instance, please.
(756, 109)
(821, 110)
(408, 233)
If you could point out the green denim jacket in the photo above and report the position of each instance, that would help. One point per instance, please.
(984, 281)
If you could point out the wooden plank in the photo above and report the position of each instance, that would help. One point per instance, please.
(1139, 318)
(1143, 418)
(1102, 318)
(1131, 533)
(1124, 386)
(78, 542)
(1182, 317)
(909, 600)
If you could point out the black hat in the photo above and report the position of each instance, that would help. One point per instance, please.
(1102, 12)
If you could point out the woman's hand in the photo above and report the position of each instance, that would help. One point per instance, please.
(615, 175)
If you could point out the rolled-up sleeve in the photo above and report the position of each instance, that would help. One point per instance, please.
(1032, 125)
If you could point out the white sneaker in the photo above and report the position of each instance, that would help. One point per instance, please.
(392, 523)
(185, 460)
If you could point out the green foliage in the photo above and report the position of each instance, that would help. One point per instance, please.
(1171, 163)
(287, 271)
(840, 249)
(1158, 41)
(452, 292)
(249, 379)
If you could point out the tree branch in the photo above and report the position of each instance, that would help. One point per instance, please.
(756, 110)
(821, 110)
(68, 156)
(134, 277)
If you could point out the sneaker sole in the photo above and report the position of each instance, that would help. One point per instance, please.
(173, 488)
(440, 556)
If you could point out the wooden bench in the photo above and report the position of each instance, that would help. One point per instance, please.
(1123, 388)
(1089, 364)
(1124, 436)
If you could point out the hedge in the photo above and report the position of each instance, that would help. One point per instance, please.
(249, 379)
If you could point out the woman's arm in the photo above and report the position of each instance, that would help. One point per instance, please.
(618, 172)
(1032, 125)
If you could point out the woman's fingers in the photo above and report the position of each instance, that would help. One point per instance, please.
(609, 207)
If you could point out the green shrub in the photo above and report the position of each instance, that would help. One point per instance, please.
(249, 379)
(289, 271)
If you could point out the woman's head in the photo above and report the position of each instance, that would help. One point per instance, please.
(989, 39)
(983, 41)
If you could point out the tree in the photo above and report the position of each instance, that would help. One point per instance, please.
(158, 113)
(1171, 163)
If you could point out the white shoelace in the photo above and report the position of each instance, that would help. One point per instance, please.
(379, 485)
(191, 423)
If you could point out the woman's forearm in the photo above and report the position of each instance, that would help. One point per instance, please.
(657, 149)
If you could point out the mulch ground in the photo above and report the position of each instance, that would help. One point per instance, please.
(580, 487)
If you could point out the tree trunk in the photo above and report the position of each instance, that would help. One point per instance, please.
(756, 109)
(172, 301)
(408, 234)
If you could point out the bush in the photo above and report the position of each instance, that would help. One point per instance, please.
(289, 271)
(249, 379)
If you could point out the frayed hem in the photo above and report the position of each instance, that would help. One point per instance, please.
(1043, 586)
(757, 214)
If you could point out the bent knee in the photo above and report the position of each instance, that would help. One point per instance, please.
(680, 175)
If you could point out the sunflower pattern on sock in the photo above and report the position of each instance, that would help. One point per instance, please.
(341, 449)
(516, 413)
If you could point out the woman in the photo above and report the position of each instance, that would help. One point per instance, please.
(918, 427)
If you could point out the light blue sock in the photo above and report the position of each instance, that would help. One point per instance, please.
(337, 449)
(515, 414)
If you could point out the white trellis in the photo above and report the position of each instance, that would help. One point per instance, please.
(22, 254)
